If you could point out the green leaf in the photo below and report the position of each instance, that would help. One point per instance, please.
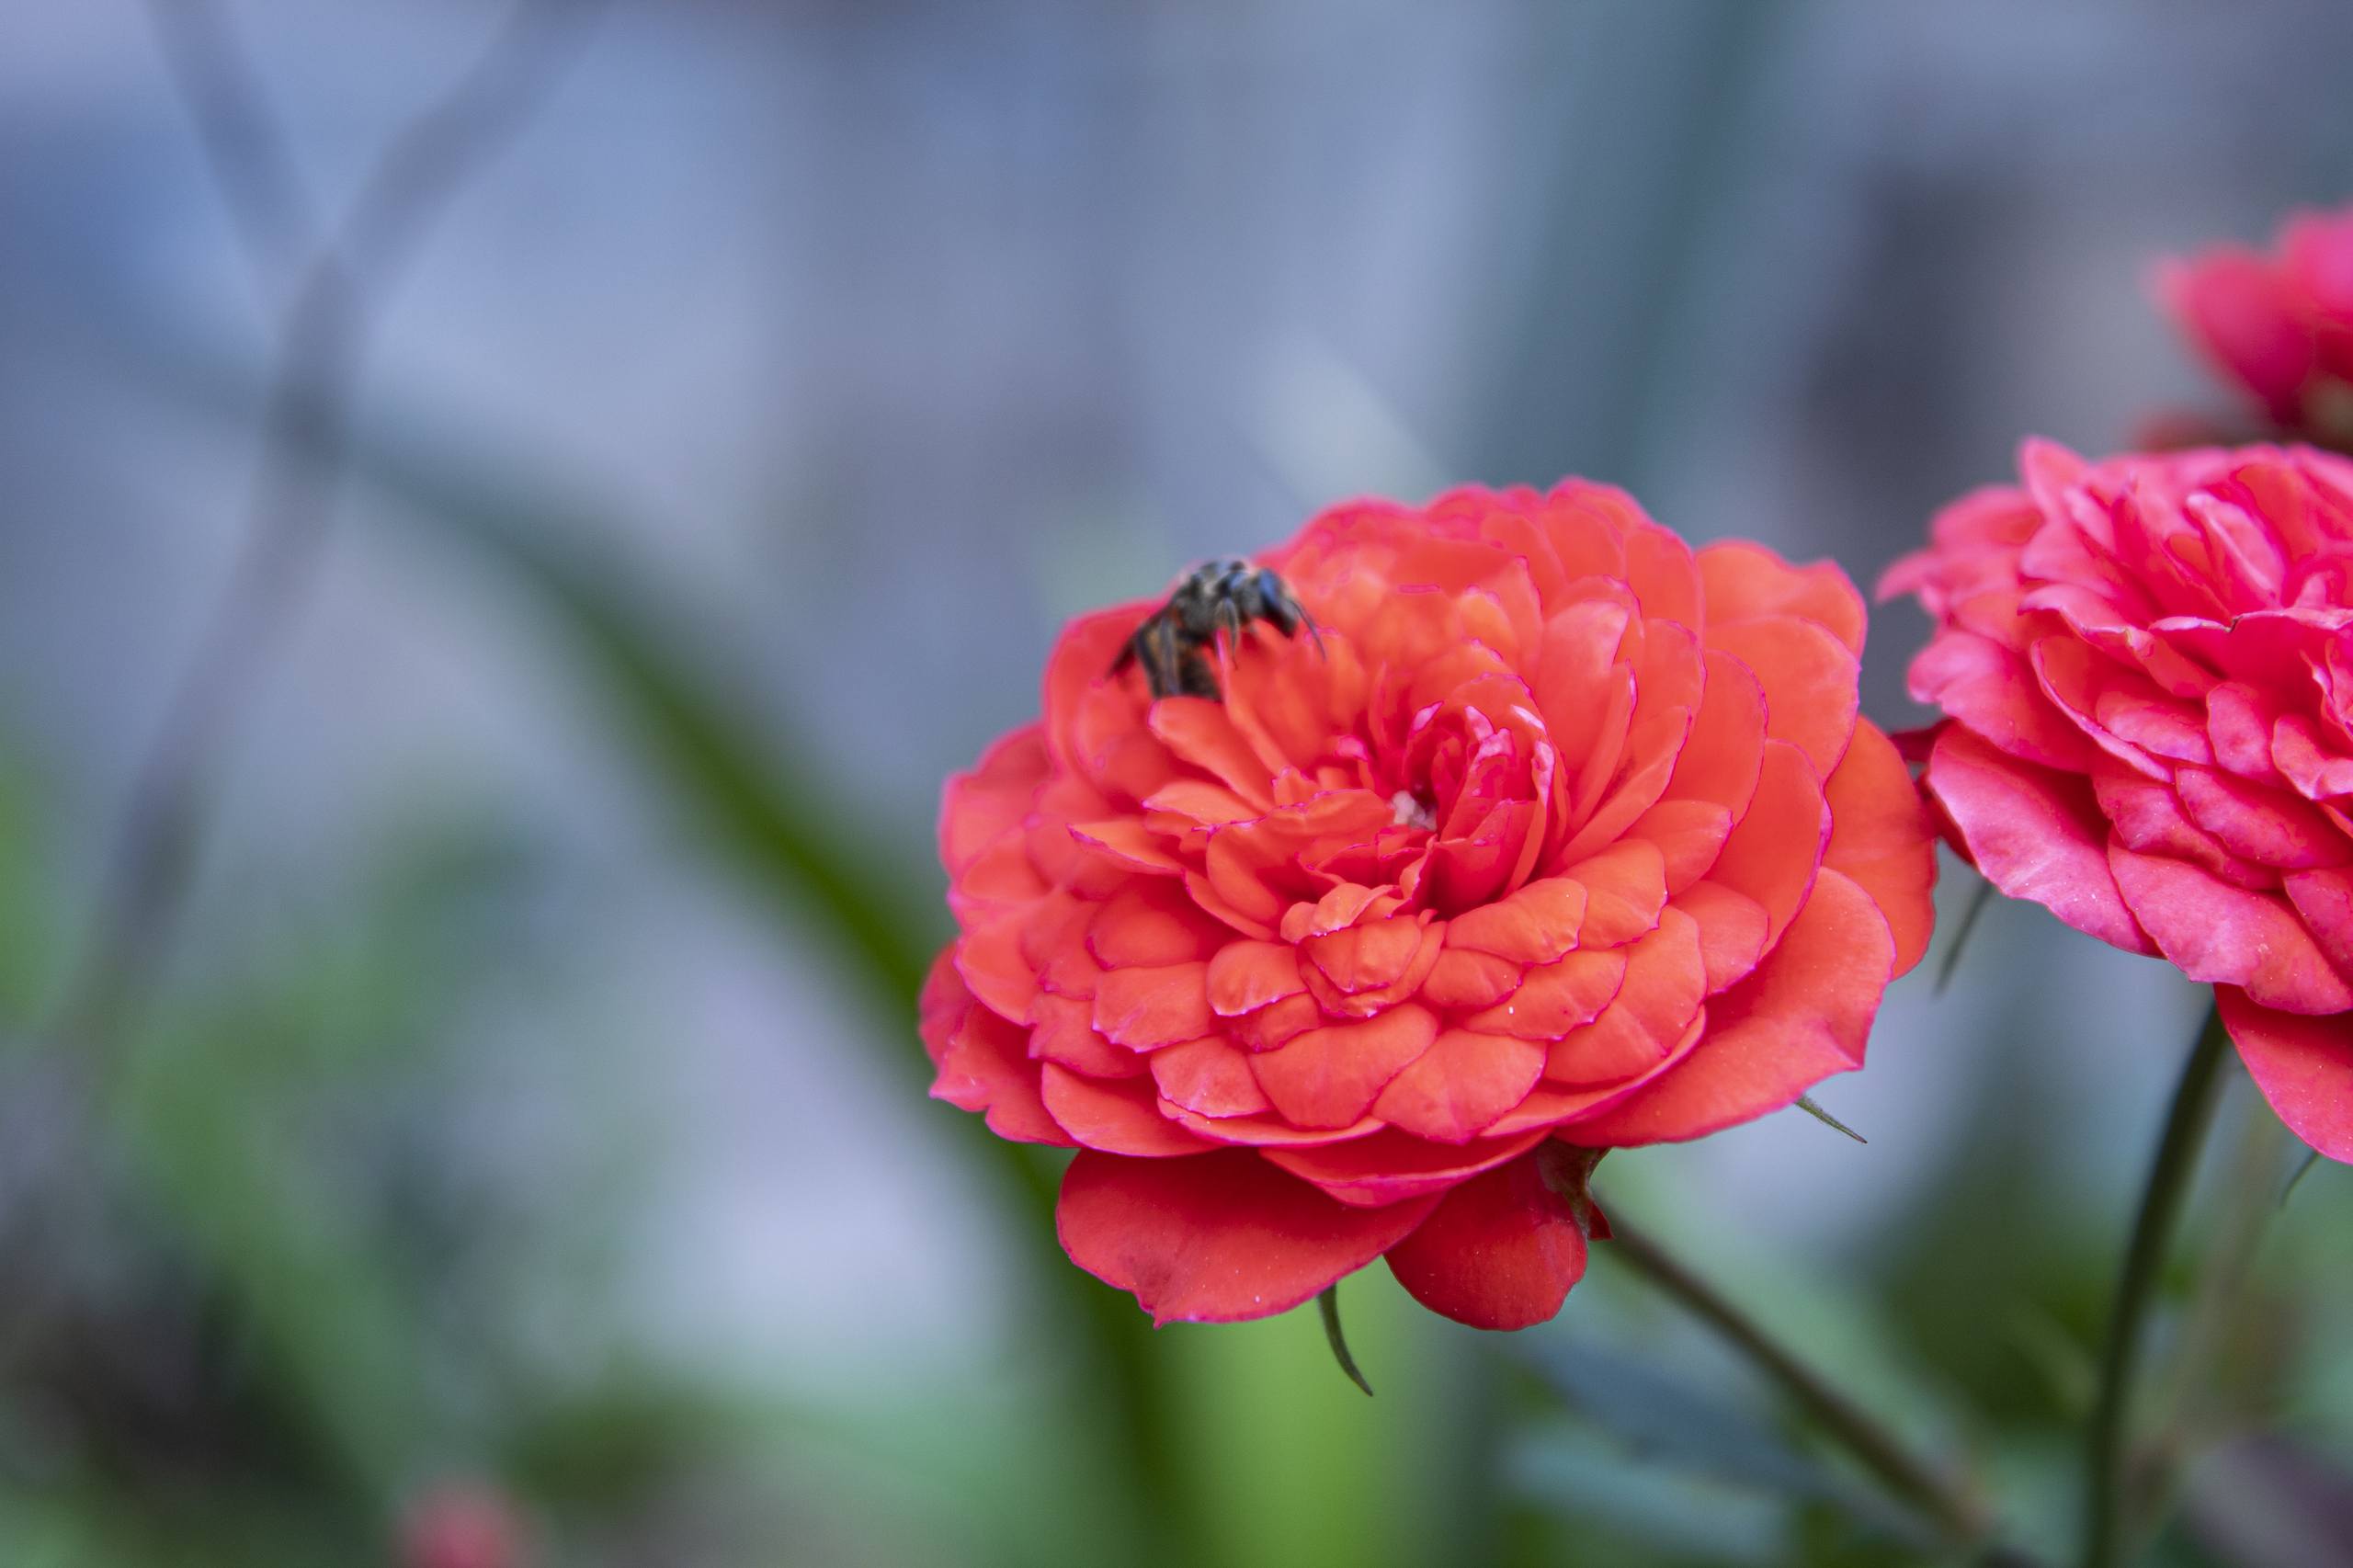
(750, 783)
(1805, 1104)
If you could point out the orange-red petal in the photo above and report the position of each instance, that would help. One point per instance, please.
(1328, 1077)
(1801, 1016)
(1500, 1252)
(1217, 1237)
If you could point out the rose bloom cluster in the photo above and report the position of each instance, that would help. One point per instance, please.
(2147, 666)
(2280, 325)
(1568, 837)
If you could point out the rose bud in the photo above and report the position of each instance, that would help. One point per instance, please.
(2278, 326)
(2146, 665)
(1566, 837)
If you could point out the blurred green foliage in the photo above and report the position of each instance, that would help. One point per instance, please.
(268, 1303)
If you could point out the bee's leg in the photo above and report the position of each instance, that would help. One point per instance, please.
(1196, 677)
(1164, 658)
(1315, 633)
(1286, 611)
(1229, 647)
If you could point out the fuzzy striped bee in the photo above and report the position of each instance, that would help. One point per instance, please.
(1225, 596)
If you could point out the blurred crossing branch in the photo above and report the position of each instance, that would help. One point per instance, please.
(340, 280)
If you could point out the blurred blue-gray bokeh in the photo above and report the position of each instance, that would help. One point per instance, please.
(494, 1122)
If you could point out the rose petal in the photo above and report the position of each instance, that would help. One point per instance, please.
(1688, 835)
(1500, 1252)
(1665, 983)
(1535, 924)
(2239, 310)
(989, 957)
(1217, 1238)
(1064, 1032)
(984, 1066)
(1655, 746)
(1457, 1088)
(1367, 957)
(1803, 1014)
(1664, 576)
(1880, 838)
(1081, 660)
(2212, 931)
(1201, 732)
(1465, 980)
(2306, 761)
(1121, 1116)
(2303, 1065)
(1625, 888)
(1337, 910)
(941, 1006)
(1272, 1025)
(1745, 580)
(1127, 845)
(2270, 826)
(2324, 901)
(1148, 1006)
(1771, 855)
(1151, 923)
(2077, 681)
(2147, 816)
(1556, 997)
(1429, 947)
(1991, 691)
(1389, 1166)
(1002, 873)
(1809, 677)
(1329, 1077)
(1732, 929)
(1245, 976)
(1585, 695)
(1209, 1077)
(2238, 724)
(2035, 833)
(1722, 755)
(1269, 1131)
(1553, 1108)
(980, 806)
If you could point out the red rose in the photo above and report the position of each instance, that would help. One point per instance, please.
(2280, 325)
(1568, 834)
(2148, 663)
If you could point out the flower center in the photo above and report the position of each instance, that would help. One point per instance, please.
(1414, 810)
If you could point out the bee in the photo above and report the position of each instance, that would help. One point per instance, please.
(1224, 596)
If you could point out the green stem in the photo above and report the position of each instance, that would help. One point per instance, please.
(1872, 1444)
(2161, 1203)
(1977, 903)
(2304, 1168)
